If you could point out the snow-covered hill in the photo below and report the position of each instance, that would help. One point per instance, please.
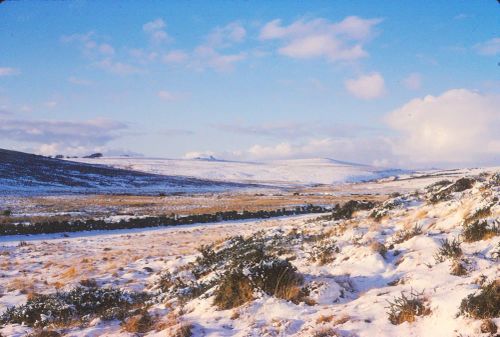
(282, 172)
(23, 173)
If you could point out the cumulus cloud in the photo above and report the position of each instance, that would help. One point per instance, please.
(490, 47)
(7, 71)
(458, 126)
(366, 87)
(208, 57)
(156, 31)
(225, 36)
(413, 81)
(89, 44)
(319, 38)
(213, 52)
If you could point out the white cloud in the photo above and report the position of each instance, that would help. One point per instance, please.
(225, 36)
(175, 56)
(156, 31)
(154, 25)
(413, 81)
(490, 47)
(367, 87)
(89, 45)
(205, 56)
(7, 71)
(57, 134)
(459, 126)
(376, 150)
(211, 53)
(106, 49)
(341, 41)
(116, 67)
(143, 56)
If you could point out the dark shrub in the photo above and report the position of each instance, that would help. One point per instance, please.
(76, 305)
(479, 230)
(406, 309)
(448, 249)
(347, 210)
(485, 304)
(7, 212)
(406, 234)
(479, 214)
(323, 252)
(437, 191)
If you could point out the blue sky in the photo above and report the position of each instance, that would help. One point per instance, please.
(385, 83)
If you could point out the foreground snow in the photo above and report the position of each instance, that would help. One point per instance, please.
(349, 294)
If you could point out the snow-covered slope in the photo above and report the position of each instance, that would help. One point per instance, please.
(298, 171)
(22, 173)
(350, 271)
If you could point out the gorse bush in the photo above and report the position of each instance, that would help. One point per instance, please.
(77, 305)
(323, 252)
(236, 270)
(407, 308)
(347, 210)
(485, 304)
(448, 249)
(141, 323)
(442, 190)
(379, 212)
(479, 213)
(479, 230)
(255, 270)
(407, 234)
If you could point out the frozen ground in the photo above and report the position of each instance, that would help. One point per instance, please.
(377, 255)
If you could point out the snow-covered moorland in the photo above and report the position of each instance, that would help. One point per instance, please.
(278, 172)
(423, 263)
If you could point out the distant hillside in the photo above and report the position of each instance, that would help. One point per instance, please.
(282, 172)
(22, 173)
